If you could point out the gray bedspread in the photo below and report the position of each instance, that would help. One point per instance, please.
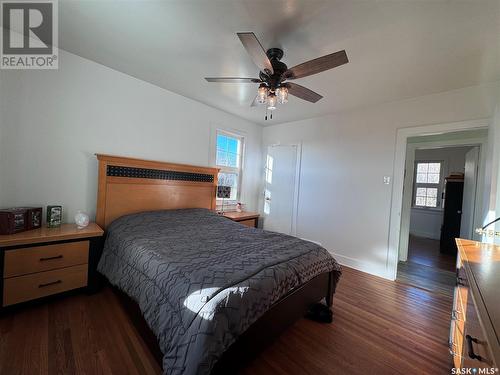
(201, 280)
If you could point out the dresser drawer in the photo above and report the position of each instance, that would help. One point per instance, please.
(41, 284)
(475, 343)
(457, 328)
(462, 297)
(456, 344)
(44, 258)
(248, 223)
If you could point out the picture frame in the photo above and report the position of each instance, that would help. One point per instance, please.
(54, 216)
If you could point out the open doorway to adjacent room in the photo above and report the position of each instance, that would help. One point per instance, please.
(441, 200)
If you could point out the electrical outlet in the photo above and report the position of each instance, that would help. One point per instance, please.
(387, 180)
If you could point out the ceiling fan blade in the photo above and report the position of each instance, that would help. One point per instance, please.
(317, 65)
(256, 52)
(303, 92)
(233, 80)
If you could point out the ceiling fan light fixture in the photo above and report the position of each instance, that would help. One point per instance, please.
(282, 94)
(271, 102)
(274, 74)
(262, 94)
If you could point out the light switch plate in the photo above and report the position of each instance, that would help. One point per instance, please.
(387, 180)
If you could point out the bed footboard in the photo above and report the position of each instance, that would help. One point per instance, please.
(259, 335)
(280, 316)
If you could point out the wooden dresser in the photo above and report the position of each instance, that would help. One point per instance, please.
(475, 325)
(47, 261)
(250, 219)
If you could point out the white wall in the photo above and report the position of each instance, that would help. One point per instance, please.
(343, 201)
(425, 222)
(53, 122)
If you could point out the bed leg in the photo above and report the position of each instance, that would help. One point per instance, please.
(330, 289)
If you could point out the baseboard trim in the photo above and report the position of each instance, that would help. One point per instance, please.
(360, 265)
(425, 235)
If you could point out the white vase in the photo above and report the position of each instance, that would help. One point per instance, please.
(82, 219)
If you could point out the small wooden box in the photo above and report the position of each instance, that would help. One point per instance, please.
(34, 217)
(19, 219)
(13, 220)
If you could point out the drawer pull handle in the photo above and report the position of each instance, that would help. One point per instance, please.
(470, 348)
(51, 258)
(51, 283)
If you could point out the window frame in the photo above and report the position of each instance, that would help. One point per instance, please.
(439, 186)
(226, 169)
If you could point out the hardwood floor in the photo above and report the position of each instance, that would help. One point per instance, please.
(432, 279)
(427, 268)
(74, 335)
(425, 251)
(380, 327)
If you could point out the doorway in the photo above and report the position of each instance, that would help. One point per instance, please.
(440, 187)
(281, 189)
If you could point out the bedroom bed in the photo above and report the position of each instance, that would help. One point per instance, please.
(206, 293)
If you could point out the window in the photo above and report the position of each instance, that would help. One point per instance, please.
(269, 181)
(229, 151)
(427, 184)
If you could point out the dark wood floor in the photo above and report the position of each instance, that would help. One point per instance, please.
(427, 267)
(425, 251)
(429, 278)
(380, 327)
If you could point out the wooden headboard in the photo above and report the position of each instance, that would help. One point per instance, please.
(129, 185)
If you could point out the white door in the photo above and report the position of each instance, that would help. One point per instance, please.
(281, 188)
(469, 199)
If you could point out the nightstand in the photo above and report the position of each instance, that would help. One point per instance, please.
(250, 219)
(47, 261)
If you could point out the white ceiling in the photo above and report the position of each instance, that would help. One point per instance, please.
(397, 49)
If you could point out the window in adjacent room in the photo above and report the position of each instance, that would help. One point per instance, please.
(229, 152)
(427, 184)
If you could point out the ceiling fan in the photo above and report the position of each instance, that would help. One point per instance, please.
(274, 74)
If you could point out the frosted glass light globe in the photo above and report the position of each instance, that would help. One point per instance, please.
(82, 219)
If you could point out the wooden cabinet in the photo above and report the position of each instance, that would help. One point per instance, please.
(250, 219)
(36, 285)
(48, 261)
(27, 260)
(476, 349)
(474, 342)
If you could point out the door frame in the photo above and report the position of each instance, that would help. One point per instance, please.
(410, 180)
(396, 215)
(473, 214)
(296, 193)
